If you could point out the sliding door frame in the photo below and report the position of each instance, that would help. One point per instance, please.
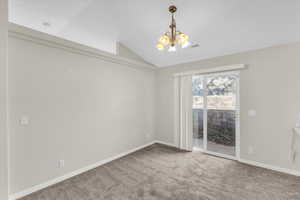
(205, 113)
(237, 116)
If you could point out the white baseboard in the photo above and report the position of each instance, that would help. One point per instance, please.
(271, 167)
(71, 174)
(165, 143)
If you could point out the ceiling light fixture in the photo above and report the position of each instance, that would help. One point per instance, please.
(173, 37)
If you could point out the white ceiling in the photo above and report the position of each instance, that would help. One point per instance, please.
(219, 26)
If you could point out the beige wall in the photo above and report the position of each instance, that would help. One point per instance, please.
(125, 52)
(3, 102)
(270, 85)
(81, 109)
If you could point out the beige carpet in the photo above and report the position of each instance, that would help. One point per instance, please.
(159, 172)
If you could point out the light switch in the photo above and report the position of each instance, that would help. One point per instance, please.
(61, 163)
(251, 113)
(24, 120)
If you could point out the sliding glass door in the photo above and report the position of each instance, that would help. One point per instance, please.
(215, 114)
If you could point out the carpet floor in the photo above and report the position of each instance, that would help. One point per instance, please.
(163, 173)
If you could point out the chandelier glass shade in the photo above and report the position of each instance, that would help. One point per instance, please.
(172, 38)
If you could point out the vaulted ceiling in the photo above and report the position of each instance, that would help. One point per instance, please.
(220, 27)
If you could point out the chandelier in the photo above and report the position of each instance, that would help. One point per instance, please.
(172, 38)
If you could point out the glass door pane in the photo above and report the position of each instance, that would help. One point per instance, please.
(221, 113)
(198, 105)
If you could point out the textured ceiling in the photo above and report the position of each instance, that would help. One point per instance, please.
(219, 26)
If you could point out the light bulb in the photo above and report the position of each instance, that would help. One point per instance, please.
(172, 49)
(160, 47)
(186, 44)
(164, 40)
(182, 38)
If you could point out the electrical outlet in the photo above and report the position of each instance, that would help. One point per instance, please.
(251, 113)
(148, 136)
(24, 120)
(61, 163)
(250, 150)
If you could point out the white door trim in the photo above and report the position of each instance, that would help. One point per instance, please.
(204, 114)
(3, 101)
(238, 120)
